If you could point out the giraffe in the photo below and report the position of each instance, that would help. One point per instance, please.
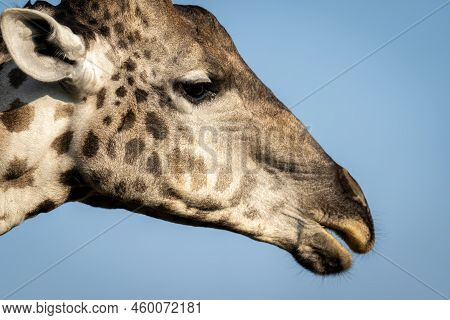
(148, 106)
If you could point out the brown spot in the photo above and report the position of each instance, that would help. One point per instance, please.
(71, 178)
(121, 92)
(139, 186)
(24, 181)
(64, 111)
(130, 65)
(16, 77)
(133, 149)
(104, 31)
(120, 189)
(138, 12)
(18, 175)
(107, 15)
(119, 28)
(117, 103)
(141, 95)
(131, 38)
(62, 143)
(101, 95)
(224, 179)
(137, 35)
(100, 177)
(16, 104)
(154, 164)
(147, 54)
(91, 145)
(163, 97)
(128, 121)
(43, 207)
(16, 169)
(95, 5)
(111, 148)
(115, 77)
(107, 120)
(155, 126)
(19, 119)
(130, 81)
(199, 177)
(122, 44)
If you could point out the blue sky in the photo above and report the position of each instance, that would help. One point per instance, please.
(387, 120)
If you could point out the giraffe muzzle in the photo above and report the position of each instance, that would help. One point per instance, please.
(321, 252)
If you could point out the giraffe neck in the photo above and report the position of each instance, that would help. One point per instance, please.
(35, 140)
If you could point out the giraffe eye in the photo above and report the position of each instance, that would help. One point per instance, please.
(197, 92)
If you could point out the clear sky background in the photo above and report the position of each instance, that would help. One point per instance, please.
(387, 120)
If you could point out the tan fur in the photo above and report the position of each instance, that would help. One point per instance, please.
(126, 134)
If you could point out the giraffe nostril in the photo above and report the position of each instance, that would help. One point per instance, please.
(351, 187)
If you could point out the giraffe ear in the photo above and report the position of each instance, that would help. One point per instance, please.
(40, 46)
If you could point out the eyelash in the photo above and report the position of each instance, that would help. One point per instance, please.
(197, 93)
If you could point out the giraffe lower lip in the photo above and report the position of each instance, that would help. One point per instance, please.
(322, 253)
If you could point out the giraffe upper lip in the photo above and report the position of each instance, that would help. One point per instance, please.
(359, 236)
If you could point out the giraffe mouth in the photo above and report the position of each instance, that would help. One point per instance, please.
(357, 235)
(321, 253)
(321, 250)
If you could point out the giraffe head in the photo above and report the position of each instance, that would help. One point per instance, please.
(148, 106)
